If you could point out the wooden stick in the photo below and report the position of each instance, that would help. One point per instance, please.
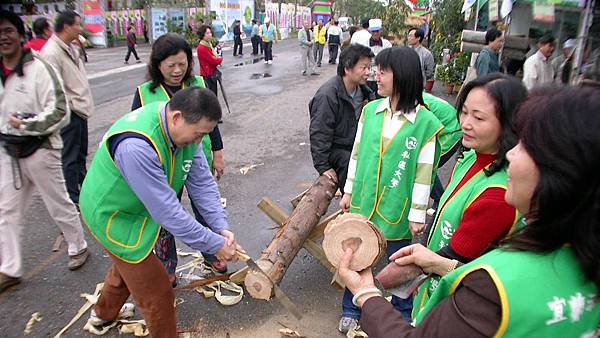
(273, 211)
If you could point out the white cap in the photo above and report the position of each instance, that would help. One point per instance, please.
(569, 44)
(375, 25)
(267, 19)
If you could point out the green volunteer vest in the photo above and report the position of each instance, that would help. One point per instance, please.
(451, 212)
(113, 212)
(382, 189)
(542, 295)
(445, 112)
(160, 94)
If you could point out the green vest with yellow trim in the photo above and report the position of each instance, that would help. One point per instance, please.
(113, 212)
(541, 295)
(445, 112)
(382, 189)
(160, 94)
(451, 213)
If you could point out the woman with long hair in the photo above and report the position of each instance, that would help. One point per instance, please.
(392, 163)
(473, 215)
(170, 70)
(543, 281)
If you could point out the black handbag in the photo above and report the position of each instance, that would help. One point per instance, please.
(21, 146)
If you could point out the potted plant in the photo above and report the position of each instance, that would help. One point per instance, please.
(443, 74)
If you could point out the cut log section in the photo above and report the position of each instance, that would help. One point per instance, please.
(278, 256)
(356, 232)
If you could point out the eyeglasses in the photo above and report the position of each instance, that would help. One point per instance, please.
(8, 31)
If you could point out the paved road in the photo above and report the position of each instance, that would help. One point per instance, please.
(269, 127)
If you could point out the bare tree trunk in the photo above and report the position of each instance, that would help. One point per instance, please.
(278, 256)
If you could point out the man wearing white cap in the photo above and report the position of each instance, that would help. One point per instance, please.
(268, 34)
(562, 63)
(377, 44)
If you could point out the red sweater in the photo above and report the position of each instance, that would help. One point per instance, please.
(36, 44)
(487, 220)
(207, 60)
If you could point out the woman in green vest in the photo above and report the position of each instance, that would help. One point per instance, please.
(170, 69)
(393, 161)
(544, 280)
(473, 215)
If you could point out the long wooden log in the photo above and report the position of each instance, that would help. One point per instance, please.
(278, 256)
(510, 41)
(470, 47)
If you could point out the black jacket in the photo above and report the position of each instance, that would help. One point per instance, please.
(333, 123)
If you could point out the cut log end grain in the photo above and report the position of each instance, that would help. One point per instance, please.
(353, 231)
(258, 285)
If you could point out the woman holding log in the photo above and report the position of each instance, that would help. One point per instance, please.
(393, 159)
(473, 215)
(543, 281)
(170, 70)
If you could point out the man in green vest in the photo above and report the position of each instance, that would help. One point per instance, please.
(143, 162)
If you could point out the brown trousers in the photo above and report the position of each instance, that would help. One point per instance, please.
(148, 284)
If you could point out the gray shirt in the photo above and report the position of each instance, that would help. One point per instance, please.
(487, 62)
(139, 164)
(427, 62)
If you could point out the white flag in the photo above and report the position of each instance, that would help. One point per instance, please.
(506, 8)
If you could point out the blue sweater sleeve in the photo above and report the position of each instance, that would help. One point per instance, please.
(139, 164)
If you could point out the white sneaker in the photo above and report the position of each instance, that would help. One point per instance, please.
(270, 62)
(266, 61)
(126, 312)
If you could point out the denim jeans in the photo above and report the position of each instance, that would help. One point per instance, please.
(402, 305)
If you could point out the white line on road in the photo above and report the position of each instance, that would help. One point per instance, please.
(132, 67)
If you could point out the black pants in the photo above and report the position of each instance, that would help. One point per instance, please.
(129, 51)
(255, 44)
(333, 52)
(211, 83)
(74, 153)
(237, 42)
(268, 48)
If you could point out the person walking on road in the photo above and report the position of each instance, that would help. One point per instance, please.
(306, 42)
(320, 34)
(131, 43)
(141, 167)
(334, 39)
(63, 55)
(268, 34)
(33, 109)
(237, 39)
(255, 38)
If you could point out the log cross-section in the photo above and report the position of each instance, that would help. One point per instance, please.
(277, 257)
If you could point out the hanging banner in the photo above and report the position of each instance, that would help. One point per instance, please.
(227, 11)
(543, 12)
(139, 23)
(159, 22)
(493, 10)
(93, 22)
